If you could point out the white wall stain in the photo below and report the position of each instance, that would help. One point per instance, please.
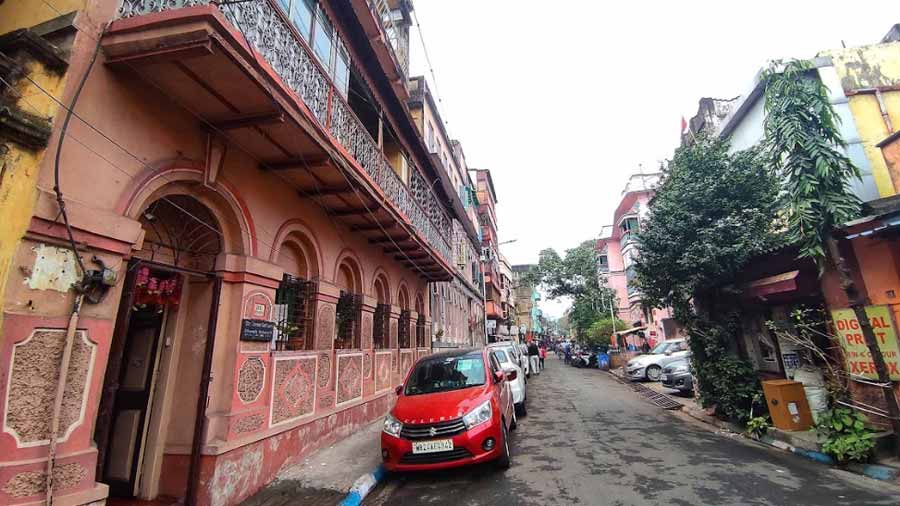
(54, 269)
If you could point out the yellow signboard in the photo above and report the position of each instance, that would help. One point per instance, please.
(859, 360)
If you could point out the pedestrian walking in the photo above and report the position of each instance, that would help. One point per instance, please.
(534, 355)
(567, 352)
(542, 354)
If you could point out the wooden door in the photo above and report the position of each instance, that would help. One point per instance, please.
(132, 400)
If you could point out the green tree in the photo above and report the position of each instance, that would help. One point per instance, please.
(804, 146)
(574, 276)
(712, 213)
(600, 331)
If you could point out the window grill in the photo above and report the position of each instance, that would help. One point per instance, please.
(348, 316)
(403, 333)
(293, 313)
(382, 326)
(420, 331)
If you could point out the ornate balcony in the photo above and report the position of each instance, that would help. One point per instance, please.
(279, 54)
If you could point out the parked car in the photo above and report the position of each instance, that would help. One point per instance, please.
(518, 358)
(506, 355)
(455, 408)
(677, 375)
(523, 352)
(650, 366)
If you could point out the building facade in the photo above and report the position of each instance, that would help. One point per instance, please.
(863, 84)
(527, 308)
(240, 276)
(458, 319)
(486, 196)
(617, 251)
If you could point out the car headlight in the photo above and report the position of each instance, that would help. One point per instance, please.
(479, 415)
(392, 426)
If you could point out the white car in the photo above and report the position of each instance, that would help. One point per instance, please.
(524, 359)
(504, 353)
(650, 366)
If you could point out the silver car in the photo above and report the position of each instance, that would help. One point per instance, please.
(650, 366)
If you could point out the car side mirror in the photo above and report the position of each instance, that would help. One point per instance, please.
(399, 389)
(511, 375)
(499, 376)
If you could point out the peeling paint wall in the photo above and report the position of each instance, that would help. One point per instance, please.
(19, 166)
(869, 68)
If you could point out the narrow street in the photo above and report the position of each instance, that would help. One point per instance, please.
(590, 440)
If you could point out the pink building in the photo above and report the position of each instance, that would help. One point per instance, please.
(617, 251)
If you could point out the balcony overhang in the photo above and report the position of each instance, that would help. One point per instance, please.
(201, 62)
(384, 53)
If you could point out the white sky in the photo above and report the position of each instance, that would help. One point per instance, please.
(563, 100)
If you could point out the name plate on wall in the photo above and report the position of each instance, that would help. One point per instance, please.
(257, 330)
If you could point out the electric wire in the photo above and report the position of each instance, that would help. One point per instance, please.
(62, 138)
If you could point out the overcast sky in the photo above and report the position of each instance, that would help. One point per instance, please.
(563, 100)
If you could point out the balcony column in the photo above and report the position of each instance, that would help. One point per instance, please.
(325, 323)
(366, 338)
(394, 343)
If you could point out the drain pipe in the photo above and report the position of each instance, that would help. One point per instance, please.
(61, 390)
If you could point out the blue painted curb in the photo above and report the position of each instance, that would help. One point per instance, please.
(874, 471)
(362, 486)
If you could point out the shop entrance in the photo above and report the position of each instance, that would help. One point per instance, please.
(152, 413)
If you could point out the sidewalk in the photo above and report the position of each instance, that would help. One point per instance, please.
(325, 477)
(804, 444)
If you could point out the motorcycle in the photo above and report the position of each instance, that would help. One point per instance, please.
(584, 359)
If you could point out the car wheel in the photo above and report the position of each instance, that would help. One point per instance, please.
(653, 372)
(522, 409)
(505, 460)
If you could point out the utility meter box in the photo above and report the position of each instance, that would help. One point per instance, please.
(787, 404)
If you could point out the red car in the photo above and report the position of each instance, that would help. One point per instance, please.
(455, 408)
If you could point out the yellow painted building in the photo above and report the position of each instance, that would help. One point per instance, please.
(870, 78)
(28, 113)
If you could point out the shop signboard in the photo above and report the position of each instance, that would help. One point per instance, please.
(859, 360)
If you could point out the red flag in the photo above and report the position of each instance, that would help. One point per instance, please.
(683, 124)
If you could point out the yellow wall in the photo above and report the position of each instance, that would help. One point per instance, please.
(15, 14)
(868, 67)
(19, 166)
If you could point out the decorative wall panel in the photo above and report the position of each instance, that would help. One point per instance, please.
(406, 361)
(383, 370)
(325, 327)
(249, 423)
(293, 388)
(349, 378)
(32, 386)
(251, 379)
(31, 483)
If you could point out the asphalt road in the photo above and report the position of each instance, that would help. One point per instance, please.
(589, 440)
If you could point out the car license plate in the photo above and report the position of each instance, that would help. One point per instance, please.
(438, 445)
(664, 377)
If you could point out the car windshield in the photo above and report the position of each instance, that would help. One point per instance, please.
(444, 374)
(661, 348)
(501, 356)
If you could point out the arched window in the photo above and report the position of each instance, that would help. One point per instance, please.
(349, 307)
(295, 296)
(381, 330)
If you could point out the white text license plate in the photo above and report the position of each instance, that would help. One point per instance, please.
(438, 445)
(664, 377)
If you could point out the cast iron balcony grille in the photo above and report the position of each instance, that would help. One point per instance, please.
(274, 40)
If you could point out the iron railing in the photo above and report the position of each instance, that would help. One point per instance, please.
(274, 39)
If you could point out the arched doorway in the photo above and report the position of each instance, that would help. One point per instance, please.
(152, 412)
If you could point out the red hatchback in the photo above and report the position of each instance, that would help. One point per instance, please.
(455, 408)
